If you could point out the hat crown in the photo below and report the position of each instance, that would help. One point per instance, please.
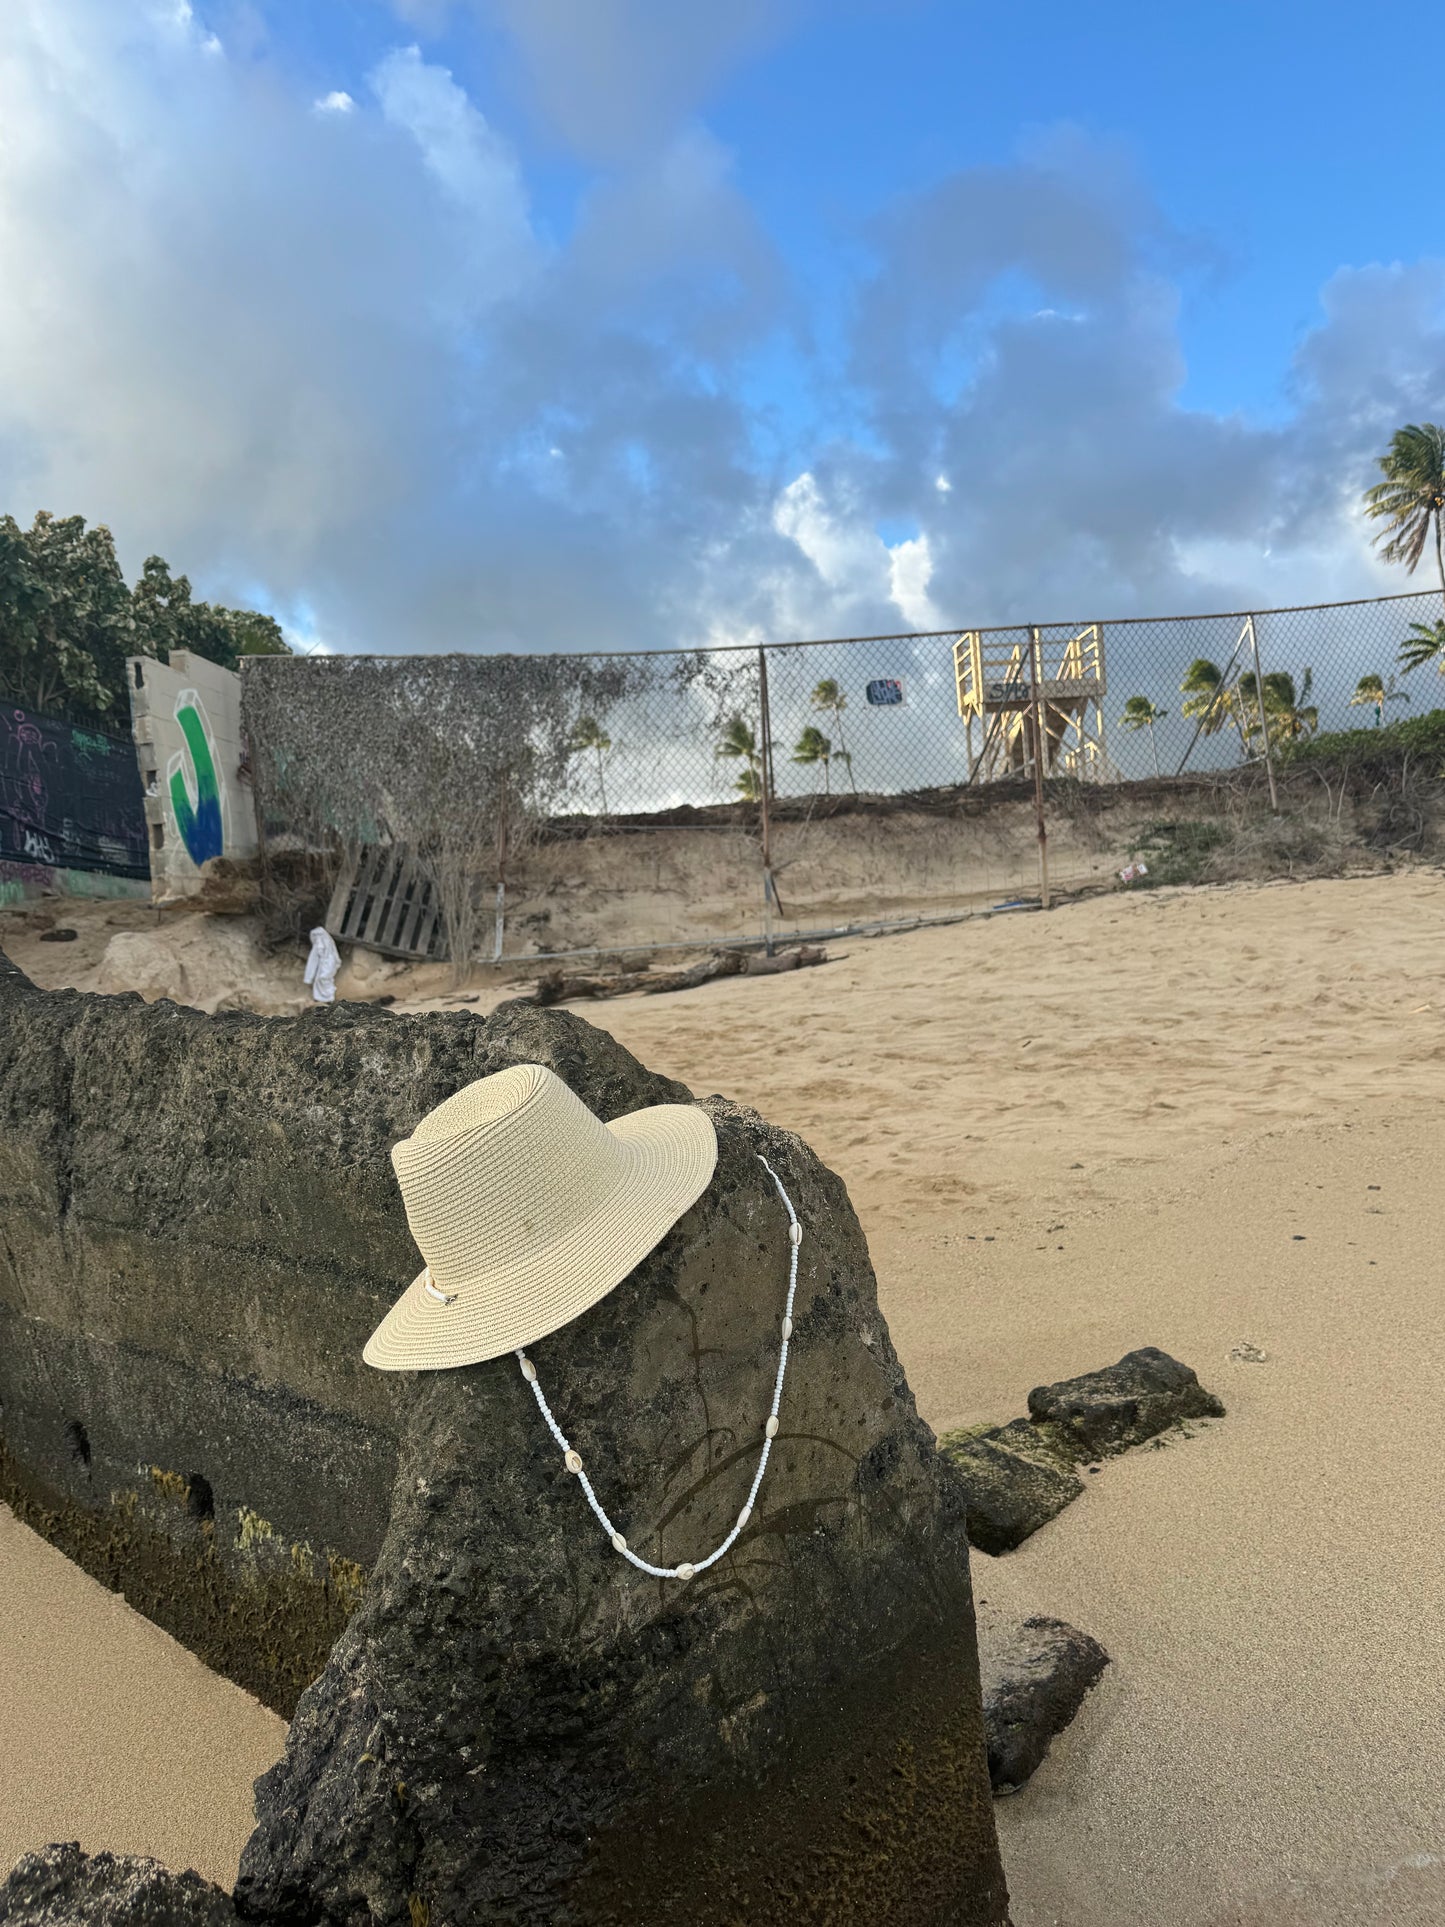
(504, 1167)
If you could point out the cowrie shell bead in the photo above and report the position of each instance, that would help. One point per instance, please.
(795, 1234)
(686, 1572)
(529, 1371)
(787, 1328)
(771, 1428)
(619, 1544)
(573, 1461)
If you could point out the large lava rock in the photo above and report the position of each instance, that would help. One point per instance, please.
(518, 1726)
(63, 1887)
(202, 1228)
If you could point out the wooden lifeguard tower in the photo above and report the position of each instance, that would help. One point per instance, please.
(1022, 687)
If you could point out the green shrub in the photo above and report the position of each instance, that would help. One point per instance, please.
(1374, 753)
(1178, 851)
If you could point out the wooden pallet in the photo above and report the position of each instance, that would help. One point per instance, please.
(384, 903)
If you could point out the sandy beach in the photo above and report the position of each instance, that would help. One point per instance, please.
(1202, 1121)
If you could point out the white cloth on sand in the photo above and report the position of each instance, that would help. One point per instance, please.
(322, 966)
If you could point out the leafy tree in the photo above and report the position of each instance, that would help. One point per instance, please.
(1425, 643)
(1140, 713)
(739, 740)
(829, 697)
(589, 734)
(68, 620)
(1373, 692)
(168, 617)
(1411, 499)
(814, 748)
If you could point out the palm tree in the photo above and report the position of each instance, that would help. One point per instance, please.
(1411, 499)
(589, 734)
(828, 696)
(1140, 713)
(1425, 643)
(1210, 698)
(814, 747)
(738, 740)
(1288, 713)
(1373, 692)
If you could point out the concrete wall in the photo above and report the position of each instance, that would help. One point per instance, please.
(199, 1225)
(20, 881)
(186, 717)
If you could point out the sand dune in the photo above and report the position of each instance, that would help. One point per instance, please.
(1152, 1119)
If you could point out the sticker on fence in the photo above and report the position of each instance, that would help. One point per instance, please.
(884, 693)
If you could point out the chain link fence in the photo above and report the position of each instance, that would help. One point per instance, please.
(814, 787)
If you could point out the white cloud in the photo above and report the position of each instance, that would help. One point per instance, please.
(910, 570)
(473, 164)
(619, 77)
(336, 102)
(337, 362)
(858, 570)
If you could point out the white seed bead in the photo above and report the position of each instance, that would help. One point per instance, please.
(686, 1572)
(744, 1516)
(787, 1328)
(619, 1544)
(795, 1233)
(529, 1370)
(573, 1461)
(771, 1428)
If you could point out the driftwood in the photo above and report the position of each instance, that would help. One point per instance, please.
(557, 988)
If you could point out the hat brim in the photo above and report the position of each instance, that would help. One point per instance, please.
(670, 1153)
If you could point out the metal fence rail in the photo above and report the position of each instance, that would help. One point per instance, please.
(881, 714)
(747, 760)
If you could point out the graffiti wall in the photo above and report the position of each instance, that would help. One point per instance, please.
(70, 798)
(186, 716)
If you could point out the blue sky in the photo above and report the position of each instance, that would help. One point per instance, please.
(543, 323)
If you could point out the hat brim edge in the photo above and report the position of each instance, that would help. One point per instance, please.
(674, 1149)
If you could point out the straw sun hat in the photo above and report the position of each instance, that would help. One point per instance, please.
(528, 1210)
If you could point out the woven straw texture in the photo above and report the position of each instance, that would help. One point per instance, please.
(530, 1209)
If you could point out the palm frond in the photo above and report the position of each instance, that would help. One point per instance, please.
(1425, 643)
(738, 739)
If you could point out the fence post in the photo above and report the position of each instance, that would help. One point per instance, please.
(765, 786)
(1038, 724)
(1263, 718)
(500, 924)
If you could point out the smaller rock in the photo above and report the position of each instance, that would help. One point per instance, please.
(1034, 1676)
(59, 935)
(62, 1887)
(1017, 1477)
(1125, 1404)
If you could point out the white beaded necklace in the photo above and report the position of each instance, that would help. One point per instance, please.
(573, 1460)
